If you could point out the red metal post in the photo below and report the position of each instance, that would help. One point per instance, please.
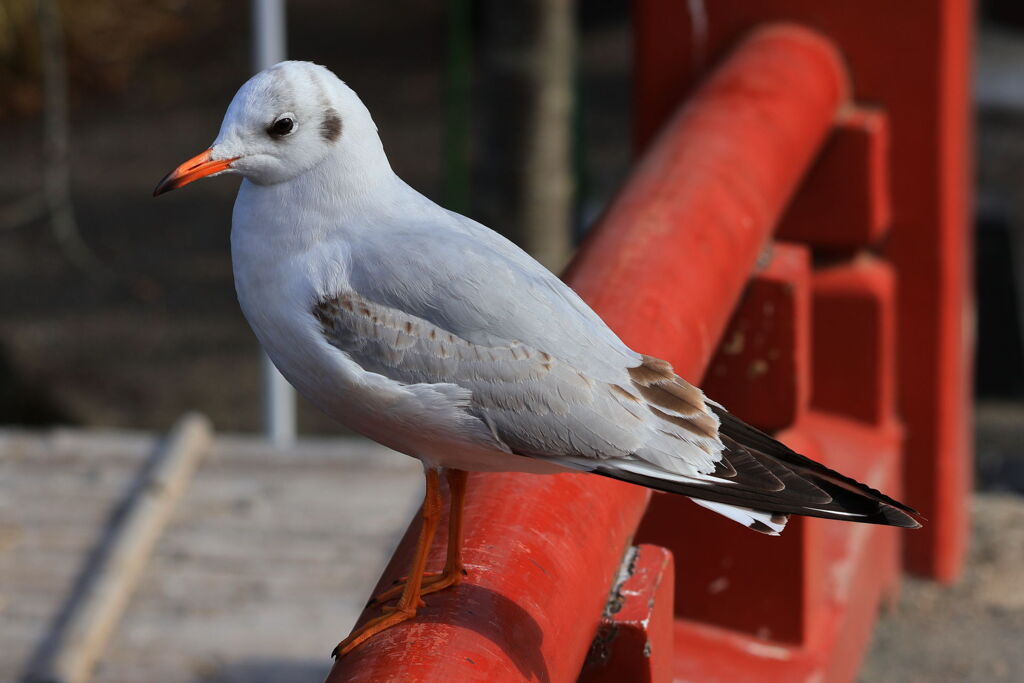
(664, 268)
(797, 607)
(844, 579)
(922, 85)
(882, 334)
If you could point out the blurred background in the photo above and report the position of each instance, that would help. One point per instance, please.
(133, 316)
(119, 311)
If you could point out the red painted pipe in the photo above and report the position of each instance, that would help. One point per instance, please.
(673, 253)
(664, 269)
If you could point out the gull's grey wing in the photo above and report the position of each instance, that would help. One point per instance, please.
(544, 370)
(550, 380)
(534, 402)
(473, 283)
(657, 430)
(457, 303)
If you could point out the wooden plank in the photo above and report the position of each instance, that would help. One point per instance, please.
(97, 610)
(264, 567)
(316, 527)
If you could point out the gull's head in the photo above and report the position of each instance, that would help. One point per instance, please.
(281, 123)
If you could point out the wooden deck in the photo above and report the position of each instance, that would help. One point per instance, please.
(263, 569)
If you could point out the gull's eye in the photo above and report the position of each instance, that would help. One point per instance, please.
(284, 125)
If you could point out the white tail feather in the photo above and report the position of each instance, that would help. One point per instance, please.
(765, 522)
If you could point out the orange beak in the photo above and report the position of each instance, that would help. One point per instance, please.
(195, 168)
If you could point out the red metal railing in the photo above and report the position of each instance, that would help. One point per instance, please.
(665, 268)
(836, 355)
(910, 60)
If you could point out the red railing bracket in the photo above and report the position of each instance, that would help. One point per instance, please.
(635, 641)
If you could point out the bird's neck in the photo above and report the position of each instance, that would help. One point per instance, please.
(348, 192)
(357, 168)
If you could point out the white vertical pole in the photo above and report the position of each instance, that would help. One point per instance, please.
(268, 33)
(268, 48)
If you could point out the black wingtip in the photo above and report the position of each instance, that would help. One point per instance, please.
(889, 510)
(896, 517)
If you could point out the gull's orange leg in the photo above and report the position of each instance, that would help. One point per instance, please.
(453, 567)
(410, 600)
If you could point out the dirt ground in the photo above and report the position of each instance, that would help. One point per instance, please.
(971, 631)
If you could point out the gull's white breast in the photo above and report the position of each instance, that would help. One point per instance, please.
(283, 265)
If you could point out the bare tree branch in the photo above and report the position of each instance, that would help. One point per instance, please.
(56, 174)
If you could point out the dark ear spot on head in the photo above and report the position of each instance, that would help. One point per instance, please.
(330, 127)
